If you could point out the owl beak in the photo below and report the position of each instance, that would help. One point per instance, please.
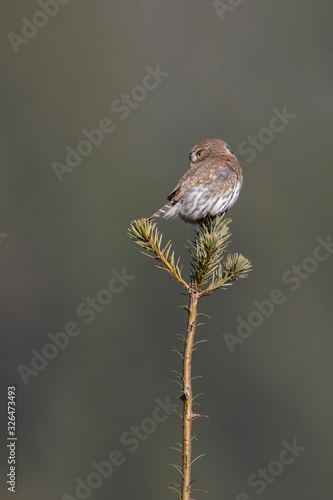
(191, 164)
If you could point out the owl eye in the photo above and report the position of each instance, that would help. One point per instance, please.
(228, 148)
(199, 154)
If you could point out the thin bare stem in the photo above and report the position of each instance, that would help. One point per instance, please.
(187, 394)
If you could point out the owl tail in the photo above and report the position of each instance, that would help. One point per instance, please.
(162, 212)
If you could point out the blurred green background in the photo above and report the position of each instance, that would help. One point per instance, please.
(228, 71)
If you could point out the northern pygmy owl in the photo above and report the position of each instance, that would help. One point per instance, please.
(210, 187)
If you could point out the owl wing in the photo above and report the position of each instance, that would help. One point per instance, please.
(220, 169)
(174, 192)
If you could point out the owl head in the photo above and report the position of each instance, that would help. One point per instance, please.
(209, 148)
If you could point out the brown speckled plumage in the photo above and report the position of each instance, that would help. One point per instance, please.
(210, 187)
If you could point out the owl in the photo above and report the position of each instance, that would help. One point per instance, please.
(210, 187)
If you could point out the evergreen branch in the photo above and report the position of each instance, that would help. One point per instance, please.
(212, 234)
(147, 236)
(209, 273)
(235, 266)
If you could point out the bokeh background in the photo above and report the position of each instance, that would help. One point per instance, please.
(228, 71)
